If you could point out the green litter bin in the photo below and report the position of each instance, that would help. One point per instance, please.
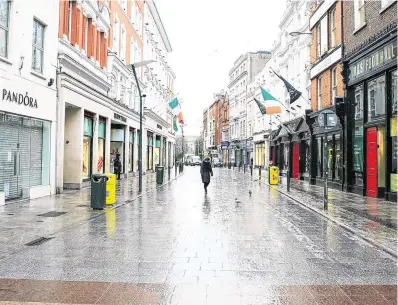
(98, 191)
(159, 174)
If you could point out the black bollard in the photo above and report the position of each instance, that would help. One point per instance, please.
(259, 173)
(244, 168)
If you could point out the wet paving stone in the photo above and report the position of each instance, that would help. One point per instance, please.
(177, 246)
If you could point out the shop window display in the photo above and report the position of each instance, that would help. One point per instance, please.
(394, 133)
(87, 147)
(376, 98)
(358, 137)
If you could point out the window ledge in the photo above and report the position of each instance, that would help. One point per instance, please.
(3, 59)
(37, 74)
(360, 28)
(383, 9)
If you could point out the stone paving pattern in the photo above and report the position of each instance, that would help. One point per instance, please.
(21, 224)
(243, 243)
(372, 218)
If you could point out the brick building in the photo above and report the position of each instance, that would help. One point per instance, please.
(326, 84)
(370, 76)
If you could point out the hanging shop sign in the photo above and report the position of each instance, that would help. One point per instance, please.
(224, 145)
(374, 61)
(18, 98)
(119, 117)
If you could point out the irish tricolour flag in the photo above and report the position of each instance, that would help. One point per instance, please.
(270, 104)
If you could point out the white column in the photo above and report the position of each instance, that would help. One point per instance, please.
(94, 160)
(107, 156)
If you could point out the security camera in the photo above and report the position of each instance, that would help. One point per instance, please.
(50, 82)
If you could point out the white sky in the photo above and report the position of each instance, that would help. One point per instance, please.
(207, 37)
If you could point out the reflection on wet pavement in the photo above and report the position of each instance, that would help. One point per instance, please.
(176, 245)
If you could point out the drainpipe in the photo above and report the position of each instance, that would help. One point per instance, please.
(58, 190)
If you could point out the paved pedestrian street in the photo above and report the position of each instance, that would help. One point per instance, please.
(242, 243)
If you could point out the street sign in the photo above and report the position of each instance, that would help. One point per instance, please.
(327, 119)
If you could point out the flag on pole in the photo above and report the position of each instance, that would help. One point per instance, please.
(175, 106)
(180, 118)
(267, 109)
(175, 127)
(293, 92)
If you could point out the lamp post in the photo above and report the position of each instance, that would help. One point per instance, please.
(134, 67)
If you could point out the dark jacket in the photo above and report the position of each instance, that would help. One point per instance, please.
(117, 166)
(206, 171)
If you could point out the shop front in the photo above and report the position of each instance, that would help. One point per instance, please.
(27, 140)
(149, 152)
(329, 143)
(132, 137)
(118, 146)
(225, 153)
(259, 155)
(372, 119)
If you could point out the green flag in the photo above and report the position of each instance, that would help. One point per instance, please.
(266, 95)
(175, 127)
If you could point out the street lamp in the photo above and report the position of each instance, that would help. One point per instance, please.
(293, 34)
(134, 67)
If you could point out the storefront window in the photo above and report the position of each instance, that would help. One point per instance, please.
(150, 153)
(376, 98)
(358, 137)
(307, 159)
(87, 147)
(101, 147)
(319, 157)
(337, 161)
(157, 152)
(131, 150)
(393, 134)
(330, 156)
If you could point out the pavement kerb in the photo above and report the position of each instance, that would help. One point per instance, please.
(76, 224)
(348, 228)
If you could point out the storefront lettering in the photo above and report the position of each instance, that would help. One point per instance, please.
(374, 61)
(119, 117)
(18, 98)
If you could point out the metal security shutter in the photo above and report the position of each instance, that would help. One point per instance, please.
(36, 152)
(9, 126)
(24, 150)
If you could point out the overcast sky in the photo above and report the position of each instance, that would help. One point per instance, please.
(207, 37)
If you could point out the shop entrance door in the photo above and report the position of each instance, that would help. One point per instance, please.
(296, 160)
(371, 162)
(10, 157)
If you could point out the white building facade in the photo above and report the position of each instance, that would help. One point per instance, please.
(290, 59)
(246, 67)
(28, 61)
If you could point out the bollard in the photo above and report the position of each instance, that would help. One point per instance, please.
(244, 168)
(288, 180)
(169, 170)
(259, 173)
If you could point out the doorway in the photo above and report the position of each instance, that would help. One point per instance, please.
(371, 162)
(296, 160)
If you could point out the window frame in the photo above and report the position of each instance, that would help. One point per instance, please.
(35, 47)
(334, 83)
(6, 29)
(319, 38)
(359, 10)
(333, 29)
(319, 93)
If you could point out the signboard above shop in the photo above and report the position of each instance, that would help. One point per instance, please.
(366, 66)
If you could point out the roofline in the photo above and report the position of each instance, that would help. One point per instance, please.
(155, 13)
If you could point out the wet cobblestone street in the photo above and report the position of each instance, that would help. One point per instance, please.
(242, 243)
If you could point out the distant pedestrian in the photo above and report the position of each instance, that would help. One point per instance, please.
(117, 166)
(206, 171)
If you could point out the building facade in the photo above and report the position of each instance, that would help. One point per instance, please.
(370, 75)
(98, 98)
(245, 68)
(28, 109)
(224, 127)
(214, 130)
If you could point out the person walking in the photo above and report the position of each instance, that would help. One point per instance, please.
(205, 172)
(117, 166)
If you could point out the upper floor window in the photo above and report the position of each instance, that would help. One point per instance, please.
(123, 45)
(323, 36)
(70, 10)
(4, 27)
(38, 46)
(318, 39)
(334, 83)
(333, 27)
(116, 36)
(319, 93)
(359, 13)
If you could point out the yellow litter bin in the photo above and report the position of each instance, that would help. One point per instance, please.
(111, 189)
(273, 175)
